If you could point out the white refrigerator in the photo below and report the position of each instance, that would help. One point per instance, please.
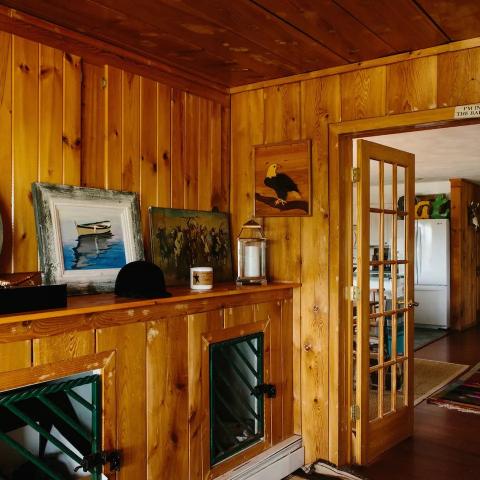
(432, 272)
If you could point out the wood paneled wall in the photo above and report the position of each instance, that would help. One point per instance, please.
(40, 136)
(464, 256)
(303, 107)
(158, 418)
(64, 120)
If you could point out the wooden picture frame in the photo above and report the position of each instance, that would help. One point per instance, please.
(85, 235)
(283, 179)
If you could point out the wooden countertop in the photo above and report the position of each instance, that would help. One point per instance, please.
(104, 302)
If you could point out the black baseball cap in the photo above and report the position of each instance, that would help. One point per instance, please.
(141, 279)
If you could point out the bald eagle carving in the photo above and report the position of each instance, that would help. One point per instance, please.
(284, 187)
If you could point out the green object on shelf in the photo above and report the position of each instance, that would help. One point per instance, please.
(440, 207)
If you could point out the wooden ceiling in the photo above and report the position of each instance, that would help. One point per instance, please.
(235, 42)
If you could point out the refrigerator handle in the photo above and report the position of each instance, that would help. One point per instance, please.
(420, 246)
(417, 260)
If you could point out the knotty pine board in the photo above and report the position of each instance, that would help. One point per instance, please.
(412, 86)
(129, 343)
(62, 347)
(25, 134)
(458, 78)
(167, 398)
(6, 188)
(15, 355)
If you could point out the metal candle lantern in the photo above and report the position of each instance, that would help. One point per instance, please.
(251, 247)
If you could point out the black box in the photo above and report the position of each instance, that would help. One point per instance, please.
(26, 299)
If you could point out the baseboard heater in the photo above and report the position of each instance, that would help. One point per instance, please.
(272, 464)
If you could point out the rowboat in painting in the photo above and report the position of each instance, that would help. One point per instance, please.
(94, 228)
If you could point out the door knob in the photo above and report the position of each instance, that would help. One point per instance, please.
(412, 304)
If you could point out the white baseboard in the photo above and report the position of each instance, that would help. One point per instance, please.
(272, 464)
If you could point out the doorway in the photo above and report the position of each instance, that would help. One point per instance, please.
(341, 163)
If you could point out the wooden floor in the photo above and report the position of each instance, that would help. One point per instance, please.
(446, 443)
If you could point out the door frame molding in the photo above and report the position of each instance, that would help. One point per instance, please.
(340, 138)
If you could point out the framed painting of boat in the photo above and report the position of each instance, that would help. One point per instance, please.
(85, 235)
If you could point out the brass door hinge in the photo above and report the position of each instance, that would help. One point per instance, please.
(354, 294)
(355, 412)
(355, 175)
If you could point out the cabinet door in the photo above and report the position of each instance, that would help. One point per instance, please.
(237, 395)
(57, 418)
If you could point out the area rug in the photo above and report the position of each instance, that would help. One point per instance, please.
(430, 376)
(462, 395)
(426, 336)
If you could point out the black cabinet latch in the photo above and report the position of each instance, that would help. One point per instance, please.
(265, 389)
(98, 459)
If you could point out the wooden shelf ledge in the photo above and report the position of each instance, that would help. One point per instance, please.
(182, 302)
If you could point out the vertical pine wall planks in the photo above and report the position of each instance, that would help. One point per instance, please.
(412, 86)
(15, 355)
(272, 312)
(164, 148)
(459, 78)
(198, 324)
(363, 93)
(247, 119)
(178, 137)
(40, 136)
(71, 135)
(114, 128)
(167, 398)
(50, 115)
(282, 123)
(6, 189)
(418, 84)
(131, 132)
(129, 343)
(25, 150)
(205, 136)
(320, 106)
(192, 143)
(68, 121)
(149, 158)
(464, 245)
(93, 126)
(221, 197)
(62, 347)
